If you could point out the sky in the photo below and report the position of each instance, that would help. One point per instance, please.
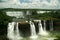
(30, 4)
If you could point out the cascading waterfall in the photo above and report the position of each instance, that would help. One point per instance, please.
(51, 25)
(40, 27)
(45, 25)
(33, 31)
(41, 31)
(13, 35)
(17, 34)
(17, 30)
(10, 34)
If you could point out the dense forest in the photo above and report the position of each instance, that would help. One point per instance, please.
(4, 20)
(54, 15)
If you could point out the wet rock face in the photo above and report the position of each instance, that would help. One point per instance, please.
(36, 26)
(3, 32)
(24, 29)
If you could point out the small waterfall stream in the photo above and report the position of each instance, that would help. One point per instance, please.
(10, 34)
(41, 31)
(13, 35)
(51, 25)
(40, 27)
(33, 31)
(44, 24)
(17, 35)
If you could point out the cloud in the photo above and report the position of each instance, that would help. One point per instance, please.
(40, 4)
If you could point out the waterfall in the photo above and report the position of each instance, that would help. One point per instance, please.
(17, 30)
(33, 31)
(13, 35)
(51, 25)
(10, 30)
(40, 27)
(41, 31)
(44, 24)
(17, 34)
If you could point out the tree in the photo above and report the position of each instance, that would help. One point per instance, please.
(56, 14)
(4, 20)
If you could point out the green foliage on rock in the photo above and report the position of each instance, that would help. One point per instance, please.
(4, 19)
(54, 15)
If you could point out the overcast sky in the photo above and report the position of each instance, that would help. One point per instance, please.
(37, 4)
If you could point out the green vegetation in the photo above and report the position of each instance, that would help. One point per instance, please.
(54, 15)
(4, 20)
